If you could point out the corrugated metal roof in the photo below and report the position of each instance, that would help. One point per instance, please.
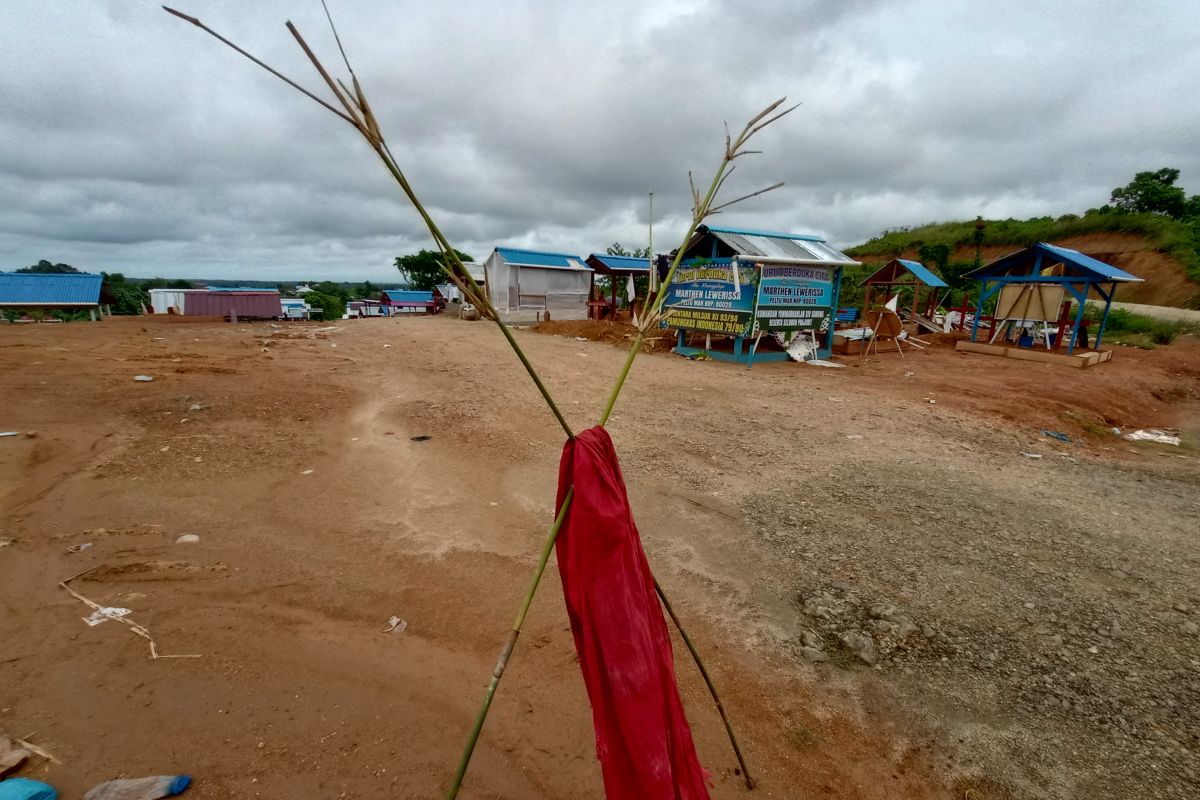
(603, 262)
(219, 304)
(406, 296)
(1083, 265)
(770, 234)
(540, 258)
(49, 289)
(765, 244)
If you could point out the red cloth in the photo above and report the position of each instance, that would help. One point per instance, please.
(642, 737)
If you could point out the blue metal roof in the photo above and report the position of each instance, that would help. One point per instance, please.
(891, 271)
(539, 258)
(769, 234)
(50, 289)
(1023, 262)
(621, 263)
(407, 296)
(922, 274)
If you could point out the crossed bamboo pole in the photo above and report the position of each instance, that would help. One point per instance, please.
(359, 114)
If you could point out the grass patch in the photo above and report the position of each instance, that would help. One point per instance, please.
(1127, 327)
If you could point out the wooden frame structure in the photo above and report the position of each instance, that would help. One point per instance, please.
(1047, 265)
(615, 268)
(901, 273)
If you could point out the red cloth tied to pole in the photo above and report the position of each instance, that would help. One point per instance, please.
(642, 737)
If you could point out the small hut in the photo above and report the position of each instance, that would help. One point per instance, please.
(900, 274)
(1034, 290)
(618, 270)
(533, 283)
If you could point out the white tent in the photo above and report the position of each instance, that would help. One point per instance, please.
(163, 299)
(524, 283)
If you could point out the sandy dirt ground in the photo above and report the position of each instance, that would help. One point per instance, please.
(895, 602)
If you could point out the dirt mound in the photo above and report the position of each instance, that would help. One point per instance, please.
(616, 333)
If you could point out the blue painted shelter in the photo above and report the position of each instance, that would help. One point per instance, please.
(768, 254)
(40, 290)
(1049, 265)
(900, 273)
(618, 270)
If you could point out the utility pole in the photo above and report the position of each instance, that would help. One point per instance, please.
(653, 283)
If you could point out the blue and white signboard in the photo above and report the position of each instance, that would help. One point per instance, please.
(794, 298)
(712, 297)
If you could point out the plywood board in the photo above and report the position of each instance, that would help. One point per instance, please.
(1030, 301)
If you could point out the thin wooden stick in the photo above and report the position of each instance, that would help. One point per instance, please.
(509, 643)
(687, 640)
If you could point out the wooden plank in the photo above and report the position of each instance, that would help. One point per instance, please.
(1079, 360)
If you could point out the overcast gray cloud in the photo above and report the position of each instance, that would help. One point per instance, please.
(131, 141)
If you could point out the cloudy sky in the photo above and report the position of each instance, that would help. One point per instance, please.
(131, 141)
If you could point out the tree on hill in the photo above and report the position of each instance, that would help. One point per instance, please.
(1154, 193)
(46, 267)
(423, 270)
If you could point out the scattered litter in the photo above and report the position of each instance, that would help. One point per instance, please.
(909, 374)
(151, 788)
(1116, 431)
(834, 399)
(396, 625)
(25, 789)
(159, 339)
(307, 472)
(354, 438)
(164, 448)
(30, 434)
(143, 378)
(931, 401)
(493, 503)
(6, 541)
(1031, 455)
(1169, 436)
(79, 548)
(854, 436)
(424, 437)
(10, 433)
(819, 362)
(581, 338)
(196, 407)
(387, 345)
(104, 614)
(123, 618)
(197, 459)
(187, 538)
(1062, 437)
(37, 751)
(11, 756)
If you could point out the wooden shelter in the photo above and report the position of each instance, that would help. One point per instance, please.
(1033, 291)
(900, 274)
(618, 270)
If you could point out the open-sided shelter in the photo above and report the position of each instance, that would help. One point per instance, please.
(534, 282)
(618, 270)
(898, 274)
(1030, 288)
(742, 282)
(397, 301)
(43, 291)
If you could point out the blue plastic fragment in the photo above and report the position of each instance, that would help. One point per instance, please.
(25, 789)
